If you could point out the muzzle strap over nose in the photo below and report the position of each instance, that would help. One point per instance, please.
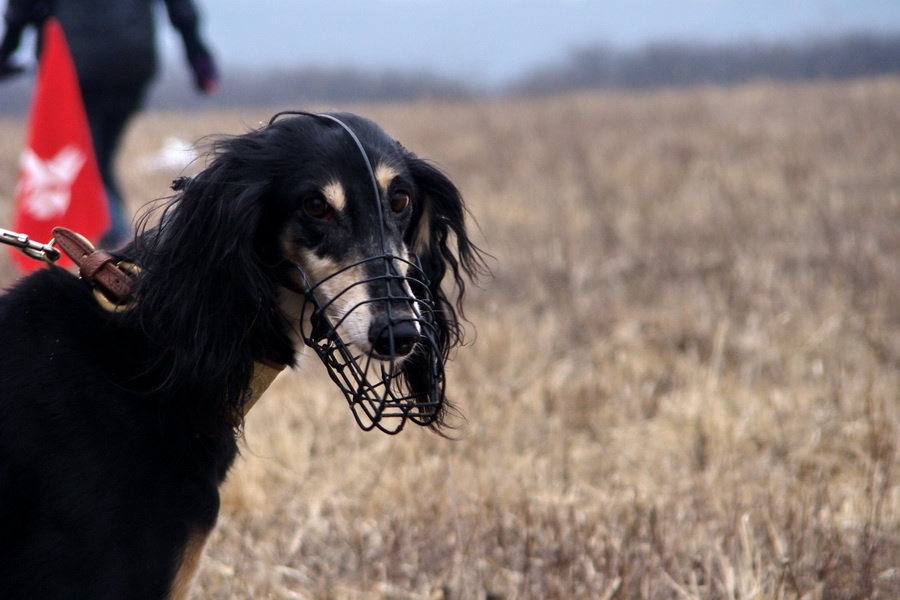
(403, 378)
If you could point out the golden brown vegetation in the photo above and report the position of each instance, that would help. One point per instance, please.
(682, 382)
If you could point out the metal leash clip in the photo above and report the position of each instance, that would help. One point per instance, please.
(43, 252)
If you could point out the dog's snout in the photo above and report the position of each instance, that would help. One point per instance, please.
(393, 339)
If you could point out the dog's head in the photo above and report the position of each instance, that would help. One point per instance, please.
(352, 229)
(321, 228)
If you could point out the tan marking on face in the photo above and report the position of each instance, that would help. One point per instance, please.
(189, 564)
(384, 175)
(346, 300)
(334, 194)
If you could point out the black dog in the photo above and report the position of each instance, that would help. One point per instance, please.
(118, 426)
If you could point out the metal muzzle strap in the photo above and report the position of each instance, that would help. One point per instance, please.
(380, 393)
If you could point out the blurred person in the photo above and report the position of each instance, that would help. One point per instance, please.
(113, 45)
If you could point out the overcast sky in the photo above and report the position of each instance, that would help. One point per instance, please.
(494, 40)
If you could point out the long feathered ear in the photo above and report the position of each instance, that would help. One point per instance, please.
(205, 298)
(439, 237)
(438, 234)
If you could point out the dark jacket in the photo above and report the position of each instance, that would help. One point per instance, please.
(113, 42)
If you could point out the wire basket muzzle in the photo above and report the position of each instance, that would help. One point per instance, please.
(402, 381)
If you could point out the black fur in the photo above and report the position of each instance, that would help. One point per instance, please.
(116, 429)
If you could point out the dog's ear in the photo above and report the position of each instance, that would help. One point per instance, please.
(205, 296)
(438, 236)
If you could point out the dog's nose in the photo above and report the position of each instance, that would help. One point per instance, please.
(393, 340)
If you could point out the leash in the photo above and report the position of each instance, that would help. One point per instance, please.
(110, 278)
(43, 252)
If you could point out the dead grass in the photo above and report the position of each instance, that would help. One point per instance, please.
(683, 382)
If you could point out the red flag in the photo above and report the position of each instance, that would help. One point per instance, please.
(59, 182)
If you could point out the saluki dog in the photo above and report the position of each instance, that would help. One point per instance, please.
(123, 389)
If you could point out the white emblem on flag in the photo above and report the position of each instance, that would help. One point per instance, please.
(46, 185)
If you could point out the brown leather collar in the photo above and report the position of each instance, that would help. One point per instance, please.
(111, 279)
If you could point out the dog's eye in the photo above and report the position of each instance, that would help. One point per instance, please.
(316, 207)
(399, 201)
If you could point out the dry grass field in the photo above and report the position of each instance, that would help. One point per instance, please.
(682, 380)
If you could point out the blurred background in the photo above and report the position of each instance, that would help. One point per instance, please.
(273, 51)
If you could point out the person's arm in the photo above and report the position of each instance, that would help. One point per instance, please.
(184, 17)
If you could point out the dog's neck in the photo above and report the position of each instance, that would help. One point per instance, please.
(112, 283)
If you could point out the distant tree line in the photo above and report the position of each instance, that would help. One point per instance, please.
(295, 87)
(683, 64)
(273, 88)
(598, 66)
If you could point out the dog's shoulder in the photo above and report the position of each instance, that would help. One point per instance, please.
(51, 327)
(51, 291)
(84, 440)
